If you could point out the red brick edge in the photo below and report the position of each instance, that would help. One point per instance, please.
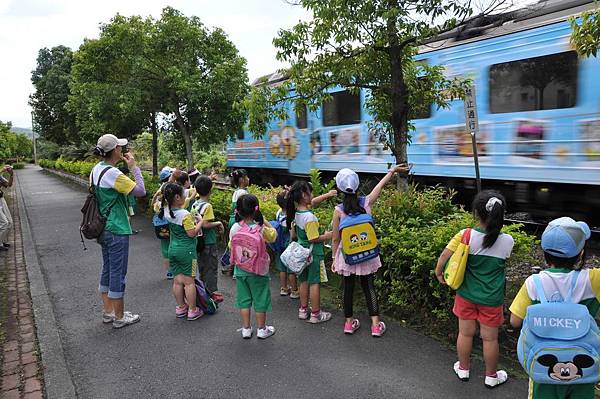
(22, 373)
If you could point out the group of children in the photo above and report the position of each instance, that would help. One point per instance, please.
(478, 302)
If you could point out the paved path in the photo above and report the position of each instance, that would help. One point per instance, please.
(165, 357)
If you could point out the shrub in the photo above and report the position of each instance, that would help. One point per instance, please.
(18, 165)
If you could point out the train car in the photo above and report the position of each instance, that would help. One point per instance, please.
(539, 117)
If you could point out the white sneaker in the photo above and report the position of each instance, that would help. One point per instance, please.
(264, 333)
(128, 319)
(462, 375)
(493, 382)
(246, 332)
(108, 317)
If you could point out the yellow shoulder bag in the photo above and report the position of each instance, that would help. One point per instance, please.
(454, 273)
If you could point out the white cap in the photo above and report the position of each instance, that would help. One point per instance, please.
(109, 142)
(347, 181)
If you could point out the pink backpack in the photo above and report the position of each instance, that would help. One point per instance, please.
(249, 251)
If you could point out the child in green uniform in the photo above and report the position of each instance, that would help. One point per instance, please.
(184, 231)
(208, 258)
(306, 229)
(165, 175)
(480, 298)
(240, 181)
(253, 290)
(563, 243)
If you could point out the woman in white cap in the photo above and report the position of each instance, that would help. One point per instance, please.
(112, 189)
(347, 182)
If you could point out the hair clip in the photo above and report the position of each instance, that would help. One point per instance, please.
(491, 202)
(256, 208)
(235, 211)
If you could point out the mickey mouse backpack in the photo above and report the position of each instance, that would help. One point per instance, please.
(358, 239)
(560, 340)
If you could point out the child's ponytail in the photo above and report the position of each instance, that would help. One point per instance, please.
(293, 197)
(489, 207)
(247, 206)
(170, 191)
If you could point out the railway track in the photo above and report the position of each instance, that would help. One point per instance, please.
(537, 227)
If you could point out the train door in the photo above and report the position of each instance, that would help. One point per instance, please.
(299, 132)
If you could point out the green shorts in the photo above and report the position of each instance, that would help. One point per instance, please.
(315, 273)
(164, 248)
(279, 264)
(549, 391)
(253, 291)
(183, 263)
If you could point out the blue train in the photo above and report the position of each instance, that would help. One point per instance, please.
(539, 116)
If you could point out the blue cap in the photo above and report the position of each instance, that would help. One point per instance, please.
(165, 173)
(565, 238)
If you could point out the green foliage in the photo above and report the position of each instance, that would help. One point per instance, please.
(316, 183)
(50, 79)
(18, 165)
(365, 45)
(586, 33)
(13, 145)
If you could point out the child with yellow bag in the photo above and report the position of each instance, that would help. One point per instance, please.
(480, 284)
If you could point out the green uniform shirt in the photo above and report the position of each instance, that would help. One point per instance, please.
(180, 242)
(112, 197)
(485, 274)
(205, 210)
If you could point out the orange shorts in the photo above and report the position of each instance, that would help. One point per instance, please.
(491, 316)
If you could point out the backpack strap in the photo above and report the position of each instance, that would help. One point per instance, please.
(537, 281)
(574, 279)
(466, 237)
(101, 176)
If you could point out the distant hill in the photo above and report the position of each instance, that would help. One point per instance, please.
(24, 130)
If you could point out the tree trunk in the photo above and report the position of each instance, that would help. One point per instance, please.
(154, 129)
(399, 99)
(186, 132)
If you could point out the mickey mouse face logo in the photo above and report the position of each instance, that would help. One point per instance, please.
(363, 236)
(566, 371)
(354, 238)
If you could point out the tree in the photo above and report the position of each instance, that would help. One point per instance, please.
(13, 145)
(51, 81)
(204, 77)
(107, 93)
(175, 70)
(367, 44)
(586, 33)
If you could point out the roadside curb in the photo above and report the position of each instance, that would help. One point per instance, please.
(58, 381)
(67, 176)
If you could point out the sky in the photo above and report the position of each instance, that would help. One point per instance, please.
(29, 25)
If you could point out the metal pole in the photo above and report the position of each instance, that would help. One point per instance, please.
(476, 157)
(33, 139)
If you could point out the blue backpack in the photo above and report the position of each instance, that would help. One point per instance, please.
(358, 240)
(559, 341)
(283, 235)
(161, 228)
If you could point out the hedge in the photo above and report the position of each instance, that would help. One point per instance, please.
(413, 227)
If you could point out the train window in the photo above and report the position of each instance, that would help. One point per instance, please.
(302, 118)
(532, 84)
(240, 135)
(342, 109)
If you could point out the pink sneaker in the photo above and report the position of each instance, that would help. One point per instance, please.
(378, 330)
(195, 314)
(181, 311)
(350, 327)
(303, 314)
